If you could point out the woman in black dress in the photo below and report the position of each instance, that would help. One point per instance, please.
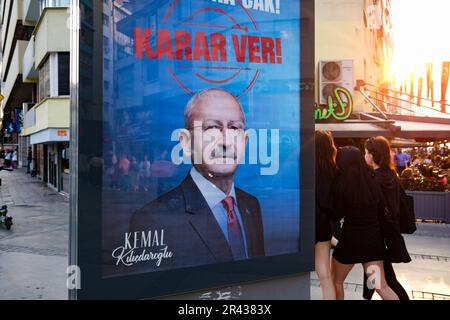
(325, 172)
(357, 198)
(378, 156)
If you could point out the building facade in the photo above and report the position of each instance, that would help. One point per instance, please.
(36, 87)
(356, 37)
(358, 31)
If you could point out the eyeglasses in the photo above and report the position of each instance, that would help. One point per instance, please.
(213, 127)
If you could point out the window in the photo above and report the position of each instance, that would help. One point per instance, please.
(106, 46)
(105, 20)
(106, 63)
(63, 74)
(54, 76)
(44, 80)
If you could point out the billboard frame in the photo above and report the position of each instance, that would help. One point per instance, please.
(86, 196)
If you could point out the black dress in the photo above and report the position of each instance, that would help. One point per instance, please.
(397, 252)
(391, 189)
(361, 238)
(324, 208)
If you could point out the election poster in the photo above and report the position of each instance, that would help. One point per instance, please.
(192, 146)
(201, 133)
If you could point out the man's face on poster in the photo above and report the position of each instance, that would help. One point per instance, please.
(217, 134)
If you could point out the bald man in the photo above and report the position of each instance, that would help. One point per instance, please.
(206, 219)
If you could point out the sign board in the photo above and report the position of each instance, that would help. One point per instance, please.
(193, 140)
(339, 106)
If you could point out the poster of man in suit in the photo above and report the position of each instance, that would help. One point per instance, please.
(202, 134)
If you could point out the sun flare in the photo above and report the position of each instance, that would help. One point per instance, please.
(420, 34)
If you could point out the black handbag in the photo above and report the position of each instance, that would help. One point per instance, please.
(396, 251)
(407, 218)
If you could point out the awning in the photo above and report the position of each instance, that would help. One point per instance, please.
(353, 130)
(50, 136)
(405, 143)
(413, 129)
(407, 127)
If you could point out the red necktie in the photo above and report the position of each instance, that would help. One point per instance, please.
(235, 238)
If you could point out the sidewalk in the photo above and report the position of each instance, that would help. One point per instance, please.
(33, 255)
(427, 276)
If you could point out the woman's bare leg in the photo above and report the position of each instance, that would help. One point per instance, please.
(323, 270)
(340, 272)
(375, 272)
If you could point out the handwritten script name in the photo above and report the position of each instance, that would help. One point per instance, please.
(337, 107)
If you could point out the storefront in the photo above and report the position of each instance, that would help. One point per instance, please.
(358, 128)
(50, 157)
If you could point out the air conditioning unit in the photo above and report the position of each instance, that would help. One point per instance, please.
(333, 74)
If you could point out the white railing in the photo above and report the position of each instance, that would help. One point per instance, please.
(29, 70)
(54, 3)
(30, 118)
(30, 10)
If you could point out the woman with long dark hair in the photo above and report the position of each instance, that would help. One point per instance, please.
(378, 156)
(325, 173)
(357, 199)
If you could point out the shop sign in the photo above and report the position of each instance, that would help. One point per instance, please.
(339, 107)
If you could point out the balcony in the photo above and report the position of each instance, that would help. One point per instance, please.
(51, 34)
(14, 16)
(30, 73)
(30, 11)
(15, 69)
(29, 124)
(54, 3)
(51, 113)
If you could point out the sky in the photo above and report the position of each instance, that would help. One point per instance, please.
(421, 33)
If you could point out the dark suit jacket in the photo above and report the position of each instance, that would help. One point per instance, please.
(191, 232)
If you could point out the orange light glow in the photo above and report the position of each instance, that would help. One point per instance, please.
(420, 34)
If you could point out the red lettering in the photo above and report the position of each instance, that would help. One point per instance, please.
(240, 50)
(142, 42)
(183, 43)
(254, 49)
(279, 54)
(201, 47)
(268, 47)
(164, 45)
(218, 43)
(207, 47)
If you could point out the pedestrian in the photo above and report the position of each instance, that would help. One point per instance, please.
(357, 199)
(124, 168)
(14, 159)
(29, 159)
(134, 174)
(377, 151)
(2, 159)
(8, 156)
(325, 173)
(428, 160)
(145, 172)
(402, 161)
